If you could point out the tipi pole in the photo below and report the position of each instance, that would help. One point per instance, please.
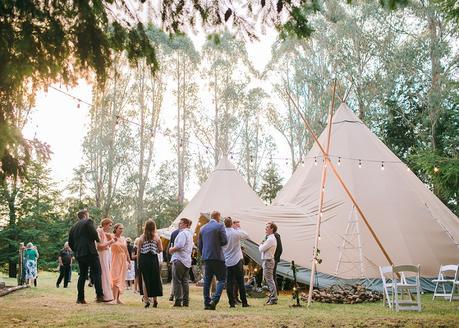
(338, 176)
(321, 202)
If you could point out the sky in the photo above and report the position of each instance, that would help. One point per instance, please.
(58, 120)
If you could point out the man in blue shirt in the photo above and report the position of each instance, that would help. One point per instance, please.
(212, 238)
(233, 261)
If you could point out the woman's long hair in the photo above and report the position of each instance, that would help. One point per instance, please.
(149, 230)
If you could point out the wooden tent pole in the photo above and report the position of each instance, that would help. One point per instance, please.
(338, 176)
(321, 201)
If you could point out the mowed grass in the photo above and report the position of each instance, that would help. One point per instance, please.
(47, 306)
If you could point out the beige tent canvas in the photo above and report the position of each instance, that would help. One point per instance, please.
(225, 191)
(413, 225)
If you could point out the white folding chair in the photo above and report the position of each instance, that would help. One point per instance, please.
(387, 285)
(403, 287)
(446, 276)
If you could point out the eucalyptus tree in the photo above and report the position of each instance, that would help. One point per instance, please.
(255, 143)
(146, 102)
(184, 65)
(225, 68)
(301, 77)
(106, 143)
(421, 96)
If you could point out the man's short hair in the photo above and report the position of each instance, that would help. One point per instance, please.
(186, 221)
(273, 226)
(215, 214)
(82, 213)
(228, 222)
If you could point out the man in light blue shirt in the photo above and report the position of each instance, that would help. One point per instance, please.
(181, 263)
(234, 261)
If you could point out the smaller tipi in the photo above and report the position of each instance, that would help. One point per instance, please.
(225, 191)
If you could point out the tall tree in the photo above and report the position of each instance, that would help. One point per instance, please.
(105, 144)
(185, 71)
(255, 142)
(225, 61)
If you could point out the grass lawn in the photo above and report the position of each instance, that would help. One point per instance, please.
(47, 306)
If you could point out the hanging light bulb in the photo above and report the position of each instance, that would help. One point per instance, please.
(382, 166)
(302, 162)
(251, 159)
(360, 164)
(231, 156)
(315, 160)
(207, 150)
(319, 237)
(286, 161)
(339, 161)
(78, 104)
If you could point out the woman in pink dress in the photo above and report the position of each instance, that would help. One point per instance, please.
(105, 257)
(120, 262)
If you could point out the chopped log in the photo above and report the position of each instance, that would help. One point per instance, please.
(344, 294)
(7, 290)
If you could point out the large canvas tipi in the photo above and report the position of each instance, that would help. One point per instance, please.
(225, 191)
(413, 225)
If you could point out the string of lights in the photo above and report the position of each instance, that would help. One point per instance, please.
(338, 158)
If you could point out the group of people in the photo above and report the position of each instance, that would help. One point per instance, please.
(104, 251)
(30, 256)
(221, 253)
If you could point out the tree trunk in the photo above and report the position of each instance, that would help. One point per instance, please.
(435, 88)
(216, 121)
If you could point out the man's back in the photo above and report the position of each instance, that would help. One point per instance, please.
(232, 250)
(82, 238)
(211, 239)
(278, 252)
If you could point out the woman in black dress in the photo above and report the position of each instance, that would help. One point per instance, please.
(149, 247)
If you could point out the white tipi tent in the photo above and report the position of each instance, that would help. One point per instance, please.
(225, 191)
(413, 225)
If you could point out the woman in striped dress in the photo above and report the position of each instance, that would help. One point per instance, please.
(149, 247)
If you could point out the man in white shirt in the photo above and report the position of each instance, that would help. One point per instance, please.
(181, 263)
(268, 249)
(233, 261)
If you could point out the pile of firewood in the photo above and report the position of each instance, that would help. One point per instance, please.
(344, 294)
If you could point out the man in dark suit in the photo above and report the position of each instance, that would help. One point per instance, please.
(82, 240)
(277, 254)
(211, 239)
(174, 235)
